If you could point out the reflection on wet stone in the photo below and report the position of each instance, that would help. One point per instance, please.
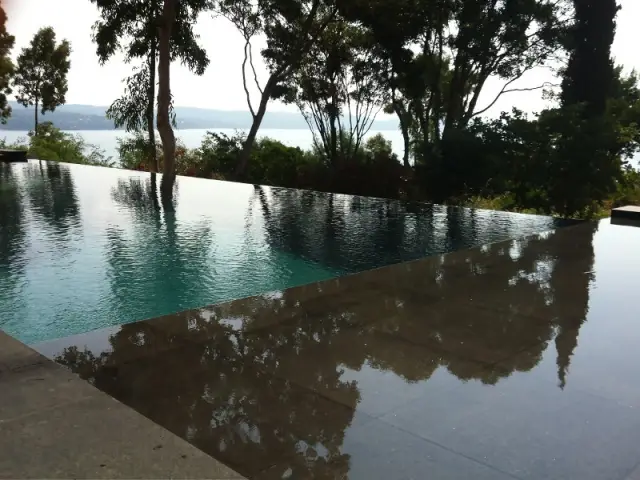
(440, 375)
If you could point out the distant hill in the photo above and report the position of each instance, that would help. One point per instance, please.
(91, 117)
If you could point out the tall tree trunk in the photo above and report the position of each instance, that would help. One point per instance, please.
(151, 96)
(407, 145)
(35, 127)
(404, 129)
(164, 99)
(333, 141)
(247, 146)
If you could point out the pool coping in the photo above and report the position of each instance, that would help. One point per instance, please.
(53, 424)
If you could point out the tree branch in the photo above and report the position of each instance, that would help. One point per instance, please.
(247, 47)
(509, 90)
(253, 69)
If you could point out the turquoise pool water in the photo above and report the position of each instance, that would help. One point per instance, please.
(87, 247)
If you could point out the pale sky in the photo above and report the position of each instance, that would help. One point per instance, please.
(221, 86)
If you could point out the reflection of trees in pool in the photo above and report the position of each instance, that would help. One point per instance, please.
(12, 245)
(356, 233)
(151, 259)
(12, 230)
(222, 375)
(52, 197)
(39, 213)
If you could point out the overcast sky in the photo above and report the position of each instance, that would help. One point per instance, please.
(220, 87)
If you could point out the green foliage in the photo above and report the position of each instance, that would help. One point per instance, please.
(129, 110)
(284, 171)
(378, 146)
(41, 74)
(291, 29)
(54, 145)
(19, 144)
(434, 57)
(589, 74)
(133, 151)
(272, 162)
(585, 162)
(218, 155)
(563, 162)
(136, 22)
(336, 91)
(628, 191)
(6, 67)
(131, 26)
(560, 163)
(375, 170)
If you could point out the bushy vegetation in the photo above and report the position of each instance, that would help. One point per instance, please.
(52, 144)
(375, 170)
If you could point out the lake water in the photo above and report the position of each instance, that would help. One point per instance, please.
(107, 140)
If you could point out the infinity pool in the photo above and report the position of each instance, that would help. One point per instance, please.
(88, 247)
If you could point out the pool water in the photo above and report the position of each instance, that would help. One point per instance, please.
(86, 247)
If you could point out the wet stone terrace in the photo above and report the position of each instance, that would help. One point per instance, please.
(517, 360)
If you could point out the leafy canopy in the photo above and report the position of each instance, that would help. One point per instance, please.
(41, 74)
(6, 67)
(131, 26)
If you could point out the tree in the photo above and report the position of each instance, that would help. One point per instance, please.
(589, 74)
(129, 111)
(335, 91)
(6, 67)
(592, 130)
(41, 75)
(166, 24)
(291, 29)
(57, 146)
(436, 57)
(132, 26)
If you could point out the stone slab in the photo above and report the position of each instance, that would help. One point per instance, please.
(630, 212)
(55, 425)
(627, 222)
(11, 156)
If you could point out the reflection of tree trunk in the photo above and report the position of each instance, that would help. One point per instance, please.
(153, 193)
(264, 203)
(247, 147)
(170, 225)
(151, 128)
(164, 99)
